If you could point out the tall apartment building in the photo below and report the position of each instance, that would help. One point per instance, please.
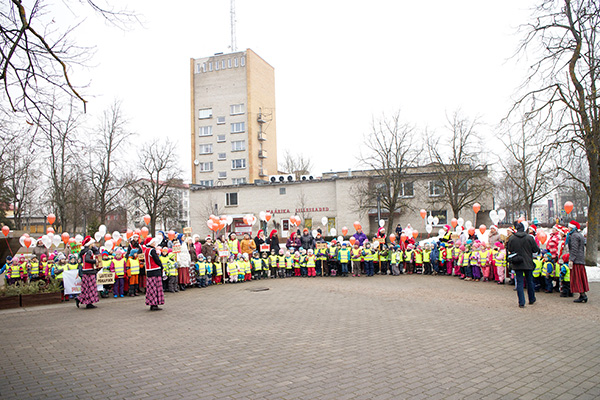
(232, 119)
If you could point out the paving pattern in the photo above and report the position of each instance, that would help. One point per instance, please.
(407, 337)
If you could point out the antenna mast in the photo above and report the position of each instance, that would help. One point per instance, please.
(233, 38)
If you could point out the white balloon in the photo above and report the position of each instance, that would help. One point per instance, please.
(98, 236)
(261, 215)
(381, 223)
(314, 233)
(436, 220)
(525, 224)
(102, 229)
(116, 235)
(324, 221)
(109, 244)
(56, 240)
(340, 239)
(501, 214)
(459, 229)
(375, 244)
(430, 219)
(441, 232)
(229, 220)
(468, 225)
(461, 222)
(50, 235)
(158, 240)
(22, 240)
(78, 238)
(408, 232)
(253, 220)
(428, 228)
(47, 241)
(333, 232)
(493, 214)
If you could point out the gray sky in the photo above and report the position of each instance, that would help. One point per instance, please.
(337, 65)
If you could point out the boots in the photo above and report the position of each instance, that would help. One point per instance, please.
(582, 298)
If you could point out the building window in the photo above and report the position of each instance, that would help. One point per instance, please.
(203, 67)
(205, 149)
(222, 64)
(216, 65)
(222, 174)
(436, 188)
(238, 127)
(208, 183)
(205, 113)
(236, 109)
(308, 224)
(205, 131)
(222, 156)
(238, 181)
(462, 187)
(220, 120)
(238, 145)
(205, 166)
(231, 199)
(235, 62)
(229, 63)
(281, 190)
(243, 61)
(407, 189)
(238, 164)
(220, 138)
(209, 67)
(442, 215)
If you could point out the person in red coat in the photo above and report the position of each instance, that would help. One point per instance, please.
(154, 290)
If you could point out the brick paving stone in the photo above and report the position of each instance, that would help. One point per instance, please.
(406, 337)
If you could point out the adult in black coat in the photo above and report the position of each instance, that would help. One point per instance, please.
(306, 240)
(273, 241)
(521, 247)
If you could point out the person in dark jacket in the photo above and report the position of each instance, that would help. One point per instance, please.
(259, 240)
(576, 243)
(306, 240)
(293, 243)
(273, 241)
(521, 247)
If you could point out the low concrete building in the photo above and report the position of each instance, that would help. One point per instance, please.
(335, 196)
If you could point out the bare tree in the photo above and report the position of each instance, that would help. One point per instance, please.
(297, 165)
(36, 56)
(507, 197)
(158, 172)
(391, 149)
(457, 158)
(562, 88)
(529, 166)
(107, 147)
(60, 138)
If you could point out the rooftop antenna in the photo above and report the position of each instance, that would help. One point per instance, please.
(233, 39)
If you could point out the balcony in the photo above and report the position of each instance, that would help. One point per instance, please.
(262, 154)
(262, 136)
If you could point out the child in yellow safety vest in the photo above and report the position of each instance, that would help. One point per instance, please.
(355, 258)
(171, 269)
(289, 264)
(118, 267)
(232, 271)
(418, 260)
(499, 262)
(265, 265)
(15, 272)
(565, 276)
(200, 267)
(218, 270)
(34, 269)
(303, 270)
(297, 263)
(311, 263)
(247, 267)
(256, 262)
(539, 278)
(240, 267)
(133, 271)
(548, 271)
(273, 265)
(409, 259)
(427, 270)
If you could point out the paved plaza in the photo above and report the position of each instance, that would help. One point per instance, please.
(407, 337)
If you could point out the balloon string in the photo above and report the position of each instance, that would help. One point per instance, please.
(8, 244)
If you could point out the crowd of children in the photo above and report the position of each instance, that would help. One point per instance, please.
(469, 259)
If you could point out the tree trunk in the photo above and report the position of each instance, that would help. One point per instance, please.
(593, 220)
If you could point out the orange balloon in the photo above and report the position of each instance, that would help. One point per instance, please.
(147, 219)
(403, 238)
(118, 242)
(454, 222)
(5, 230)
(171, 235)
(482, 228)
(542, 237)
(352, 240)
(65, 237)
(268, 217)
(344, 231)
(50, 230)
(222, 225)
(568, 207)
(471, 231)
(72, 240)
(129, 233)
(415, 233)
(476, 207)
(27, 242)
(423, 213)
(51, 218)
(392, 238)
(108, 237)
(357, 225)
(210, 224)
(143, 233)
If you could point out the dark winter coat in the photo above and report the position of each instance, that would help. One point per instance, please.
(523, 246)
(307, 241)
(576, 243)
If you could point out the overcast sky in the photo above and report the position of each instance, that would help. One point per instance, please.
(337, 65)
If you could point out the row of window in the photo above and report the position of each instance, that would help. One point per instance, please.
(207, 166)
(234, 109)
(220, 64)
(236, 145)
(234, 181)
(436, 188)
(236, 127)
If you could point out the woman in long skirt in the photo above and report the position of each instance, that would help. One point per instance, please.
(89, 269)
(183, 261)
(579, 281)
(154, 290)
